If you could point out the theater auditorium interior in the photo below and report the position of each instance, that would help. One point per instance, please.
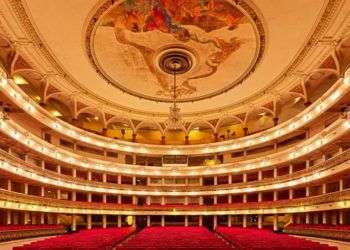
(174, 124)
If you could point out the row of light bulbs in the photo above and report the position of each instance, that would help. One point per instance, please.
(338, 90)
(17, 169)
(16, 205)
(332, 132)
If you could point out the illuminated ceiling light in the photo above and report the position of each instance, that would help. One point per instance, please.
(262, 114)
(56, 113)
(96, 118)
(196, 128)
(36, 98)
(297, 99)
(3, 82)
(19, 80)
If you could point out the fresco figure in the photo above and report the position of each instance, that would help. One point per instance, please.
(175, 17)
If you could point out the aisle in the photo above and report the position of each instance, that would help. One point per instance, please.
(16, 243)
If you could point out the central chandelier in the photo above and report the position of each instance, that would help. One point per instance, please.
(175, 61)
(174, 121)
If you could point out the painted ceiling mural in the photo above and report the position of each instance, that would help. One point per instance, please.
(220, 41)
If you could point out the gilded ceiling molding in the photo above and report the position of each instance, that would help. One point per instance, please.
(321, 27)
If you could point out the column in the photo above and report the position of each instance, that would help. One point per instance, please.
(9, 185)
(26, 218)
(89, 175)
(290, 169)
(259, 197)
(307, 164)
(275, 222)
(8, 217)
(134, 180)
(104, 198)
(230, 179)
(341, 217)
(104, 221)
(42, 191)
(244, 177)
(134, 200)
(74, 195)
(324, 188)
(163, 221)
(229, 224)
(134, 159)
(148, 220)
(260, 220)
(229, 199)
(74, 172)
(25, 188)
(74, 223)
(201, 200)
(104, 177)
(244, 220)
(119, 199)
(307, 218)
(162, 201)
(341, 185)
(119, 220)
(324, 217)
(275, 195)
(148, 200)
(275, 173)
(186, 220)
(307, 191)
(89, 197)
(244, 198)
(58, 194)
(89, 222)
(215, 180)
(201, 181)
(119, 179)
(42, 218)
(58, 169)
(186, 200)
(215, 222)
(291, 194)
(260, 175)
(200, 222)
(58, 219)
(215, 199)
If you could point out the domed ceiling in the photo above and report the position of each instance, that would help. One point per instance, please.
(220, 40)
(116, 55)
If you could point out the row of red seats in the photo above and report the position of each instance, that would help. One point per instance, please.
(174, 238)
(264, 239)
(94, 239)
(28, 227)
(319, 226)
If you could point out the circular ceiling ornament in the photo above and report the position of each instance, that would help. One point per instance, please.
(175, 60)
(216, 44)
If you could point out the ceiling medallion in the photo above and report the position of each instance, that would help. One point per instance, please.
(220, 41)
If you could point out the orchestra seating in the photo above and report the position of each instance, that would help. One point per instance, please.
(338, 232)
(93, 239)
(174, 237)
(14, 232)
(260, 239)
